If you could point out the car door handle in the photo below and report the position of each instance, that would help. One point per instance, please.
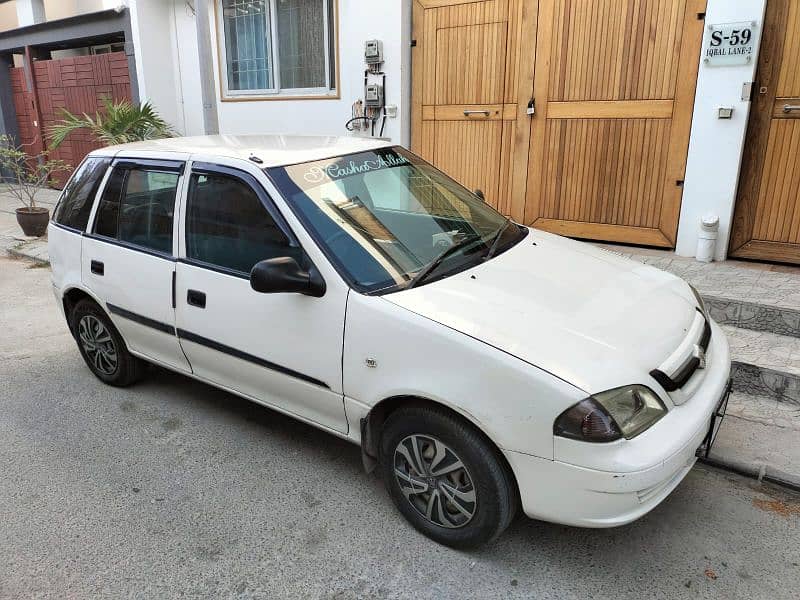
(195, 298)
(98, 268)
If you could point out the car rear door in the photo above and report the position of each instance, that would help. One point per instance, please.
(128, 260)
(283, 350)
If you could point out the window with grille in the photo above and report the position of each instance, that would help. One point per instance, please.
(274, 47)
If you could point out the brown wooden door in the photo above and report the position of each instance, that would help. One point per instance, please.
(767, 216)
(614, 88)
(465, 103)
(78, 84)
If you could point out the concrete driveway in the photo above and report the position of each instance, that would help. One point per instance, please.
(174, 489)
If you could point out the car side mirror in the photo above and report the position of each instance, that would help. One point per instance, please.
(479, 194)
(284, 275)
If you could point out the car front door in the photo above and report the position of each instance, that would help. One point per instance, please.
(284, 349)
(127, 257)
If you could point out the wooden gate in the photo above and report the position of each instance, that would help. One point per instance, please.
(767, 217)
(77, 84)
(611, 84)
(466, 97)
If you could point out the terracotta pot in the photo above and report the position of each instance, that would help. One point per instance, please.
(33, 220)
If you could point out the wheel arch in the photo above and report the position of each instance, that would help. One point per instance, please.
(372, 428)
(70, 298)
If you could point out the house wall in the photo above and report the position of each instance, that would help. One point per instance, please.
(387, 20)
(153, 43)
(716, 146)
(8, 16)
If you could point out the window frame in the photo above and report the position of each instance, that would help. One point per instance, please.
(331, 45)
(127, 164)
(246, 178)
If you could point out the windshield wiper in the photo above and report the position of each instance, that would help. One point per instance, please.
(430, 268)
(496, 241)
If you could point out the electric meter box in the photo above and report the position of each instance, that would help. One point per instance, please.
(373, 96)
(373, 52)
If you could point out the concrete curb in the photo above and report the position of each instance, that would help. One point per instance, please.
(757, 471)
(22, 254)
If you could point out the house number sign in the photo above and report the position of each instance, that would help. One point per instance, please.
(729, 44)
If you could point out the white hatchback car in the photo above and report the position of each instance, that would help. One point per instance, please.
(480, 364)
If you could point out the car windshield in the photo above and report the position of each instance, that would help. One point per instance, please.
(389, 220)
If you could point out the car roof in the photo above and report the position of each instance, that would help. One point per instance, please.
(273, 150)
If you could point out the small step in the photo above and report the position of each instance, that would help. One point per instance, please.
(765, 364)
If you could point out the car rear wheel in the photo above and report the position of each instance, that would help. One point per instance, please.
(445, 477)
(102, 346)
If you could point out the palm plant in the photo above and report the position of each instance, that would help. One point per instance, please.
(119, 123)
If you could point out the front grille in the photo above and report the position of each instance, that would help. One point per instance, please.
(695, 358)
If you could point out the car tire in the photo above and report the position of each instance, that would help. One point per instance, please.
(446, 512)
(102, 346)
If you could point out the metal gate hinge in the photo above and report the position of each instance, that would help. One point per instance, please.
(701, 16)
(413, 43)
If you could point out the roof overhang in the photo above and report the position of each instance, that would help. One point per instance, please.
(72, 32)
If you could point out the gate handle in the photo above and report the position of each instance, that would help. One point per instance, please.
(787, 108)
(477, 112)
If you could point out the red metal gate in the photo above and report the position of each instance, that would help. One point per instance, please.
(77, 84)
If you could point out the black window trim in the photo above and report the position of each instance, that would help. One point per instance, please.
(205, 168)
(128, 164)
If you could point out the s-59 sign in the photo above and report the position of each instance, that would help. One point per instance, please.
(729, 44)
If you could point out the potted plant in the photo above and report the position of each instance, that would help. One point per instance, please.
(24, 176)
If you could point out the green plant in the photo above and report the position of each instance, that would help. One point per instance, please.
(118, 123)
(24, 174)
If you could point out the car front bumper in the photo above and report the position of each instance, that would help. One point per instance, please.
(626, 479)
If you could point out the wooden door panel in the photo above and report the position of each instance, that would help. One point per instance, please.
(777, 211)
(615, 49)
(767, 216)
(607, 171)
(465, 91)
(470, 64)
(613, 110)
(475, 163)
(789, 74)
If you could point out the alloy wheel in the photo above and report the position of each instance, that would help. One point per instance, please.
(435, 481)
(98, 344)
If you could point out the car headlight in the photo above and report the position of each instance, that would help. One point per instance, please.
(699, 299)
(622, 412)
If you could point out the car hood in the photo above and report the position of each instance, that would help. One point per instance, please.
(585, 315)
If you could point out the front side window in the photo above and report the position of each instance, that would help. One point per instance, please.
(228, 227)
(387, 218)
(78, 195)
(277, 46)
(137, 207)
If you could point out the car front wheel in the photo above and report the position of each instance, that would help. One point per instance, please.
(445, 477)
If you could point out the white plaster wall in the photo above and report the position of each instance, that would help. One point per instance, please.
(387, 20)
(154, 47)
(716, 146)
(186, 74)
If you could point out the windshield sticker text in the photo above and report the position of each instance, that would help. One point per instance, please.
(318, 174)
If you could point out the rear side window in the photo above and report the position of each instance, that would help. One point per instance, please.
(138, 206)
(78, 196)
(228, 227)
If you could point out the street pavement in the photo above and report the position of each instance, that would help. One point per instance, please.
(173, 489)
